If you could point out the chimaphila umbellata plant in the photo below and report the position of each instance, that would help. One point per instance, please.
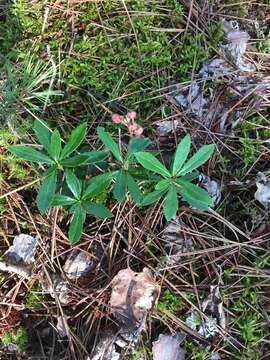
(61, 162)
(176, 181)
(128, 171)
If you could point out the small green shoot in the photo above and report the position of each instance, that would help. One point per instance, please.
(19, 338)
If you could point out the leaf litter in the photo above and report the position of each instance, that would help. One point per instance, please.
(262, 193)
(213, 187)
(175, 241)
(132, 298)
(20, 256)
(79, 264)
(223, 106)
(167, 347)
(212, 307)
(23, 249)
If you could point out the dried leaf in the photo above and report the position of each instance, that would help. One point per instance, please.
(215, 356)
(214, 304)
(17, 269)
(263, 190)
(79, 264)
(60, 326)
(133, 296)
(106, 350)
(176, 242)
(213, 187)
(23, 249)
(236, 46)
(167, 347)
(55, 286)
(213, 307)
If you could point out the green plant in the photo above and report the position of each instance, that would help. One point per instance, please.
(169, 302)
(11, 167)
(34, 297)
(217, 35)
(78, 195)
(173, 182)
(19, 338)
(26, 88)
(124, 180)
(191, 55)
(177, 180)
(248, 324)
(58, 158)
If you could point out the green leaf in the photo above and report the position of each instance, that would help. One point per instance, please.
(170, 205)
(74, 161)
(86, 158)
(97, 185)
(46, 192)
(109, 143)
(76, 138)
(152, 197)
(181, 154)
(119, 189)
(76, 225)
(98, 210)
(55, 148)
(43, 133)
(27, 153)
(48, 171)
(137, 144)
(95, 156)
(191, 176)
(73, 183)
(62, 200)
(134, 189)
(194, 195)
(163, 184)
(201, 156)
(149, 162)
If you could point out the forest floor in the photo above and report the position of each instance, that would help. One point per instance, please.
(185, 67)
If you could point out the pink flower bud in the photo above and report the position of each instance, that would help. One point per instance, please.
(117, 119)
(135, 129)
(138, 131)
(132, 128)
(131, 115)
